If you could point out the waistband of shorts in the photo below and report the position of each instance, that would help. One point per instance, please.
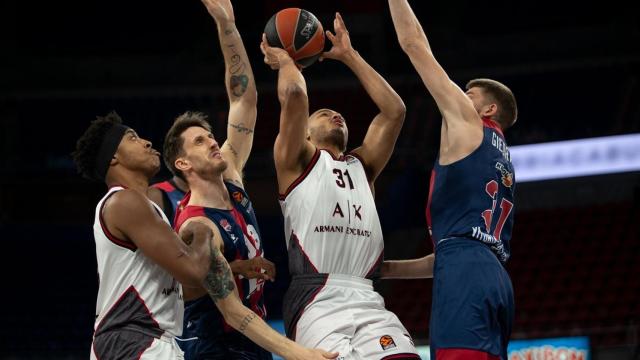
(341, 280)
(167, 338)
(455, 241)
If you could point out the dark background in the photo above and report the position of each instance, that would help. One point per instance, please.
(573, 67)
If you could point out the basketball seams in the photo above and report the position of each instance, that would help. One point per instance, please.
(278, 30)
(311, 39)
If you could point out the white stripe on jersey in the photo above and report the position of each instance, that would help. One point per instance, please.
(120, 268)
(333, 215)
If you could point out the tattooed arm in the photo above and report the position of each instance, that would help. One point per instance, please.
(220, 286)
(241, 89)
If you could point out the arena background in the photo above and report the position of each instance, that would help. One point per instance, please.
(574, 68)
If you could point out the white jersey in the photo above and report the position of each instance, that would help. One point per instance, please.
(135, 293)
(330, 219)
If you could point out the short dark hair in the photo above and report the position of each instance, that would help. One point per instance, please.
(88, 145)
(507, 108)
(172, 147)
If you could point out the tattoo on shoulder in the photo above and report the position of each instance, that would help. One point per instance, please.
(241, 129)
(245, 322)
(219, 280)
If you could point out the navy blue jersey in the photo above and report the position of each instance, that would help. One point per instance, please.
(172, 195)
(241, 237)
(474, 197)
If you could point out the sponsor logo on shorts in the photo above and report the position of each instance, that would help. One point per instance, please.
(387, 342)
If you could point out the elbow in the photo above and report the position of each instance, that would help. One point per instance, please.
(397, 111)
(295, 99)
(412, 45)
(294, 91)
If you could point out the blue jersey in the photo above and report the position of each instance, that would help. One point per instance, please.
(172, 195)
(474, 197)
(241, 238)
(205, 333)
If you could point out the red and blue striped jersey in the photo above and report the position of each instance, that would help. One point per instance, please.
(241, 237)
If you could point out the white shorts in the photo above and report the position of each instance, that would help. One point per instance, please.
(348, 316)
(163, 348)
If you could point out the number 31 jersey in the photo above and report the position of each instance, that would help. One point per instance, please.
(474, 197)
(330, 219)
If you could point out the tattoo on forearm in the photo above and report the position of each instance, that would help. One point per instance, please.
(239, 81)
(245, 322)
(219, 280)
(241, 129)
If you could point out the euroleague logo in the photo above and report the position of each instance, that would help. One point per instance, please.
(239, 198)
(308, 25)
(387, 342)
(507, 176)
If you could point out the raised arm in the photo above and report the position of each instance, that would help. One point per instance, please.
(454, 105)
(241, 89)
(129, 216)
(292, 152)
(381, 137)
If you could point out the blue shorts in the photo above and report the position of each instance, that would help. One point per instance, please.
(204, 336)
(472, 310)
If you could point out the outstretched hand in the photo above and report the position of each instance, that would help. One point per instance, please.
(221, 10)
(252, 268)
(341, 42)
(275, 57)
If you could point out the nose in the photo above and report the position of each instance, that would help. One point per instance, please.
(214, 144)
(147, 144)
(337, 116)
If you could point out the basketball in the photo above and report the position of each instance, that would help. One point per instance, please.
(297, 31)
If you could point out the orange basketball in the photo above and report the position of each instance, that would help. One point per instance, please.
(297, 31)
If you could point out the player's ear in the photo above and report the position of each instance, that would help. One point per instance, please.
(115, 159)
(489, 110)
(182, 164)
